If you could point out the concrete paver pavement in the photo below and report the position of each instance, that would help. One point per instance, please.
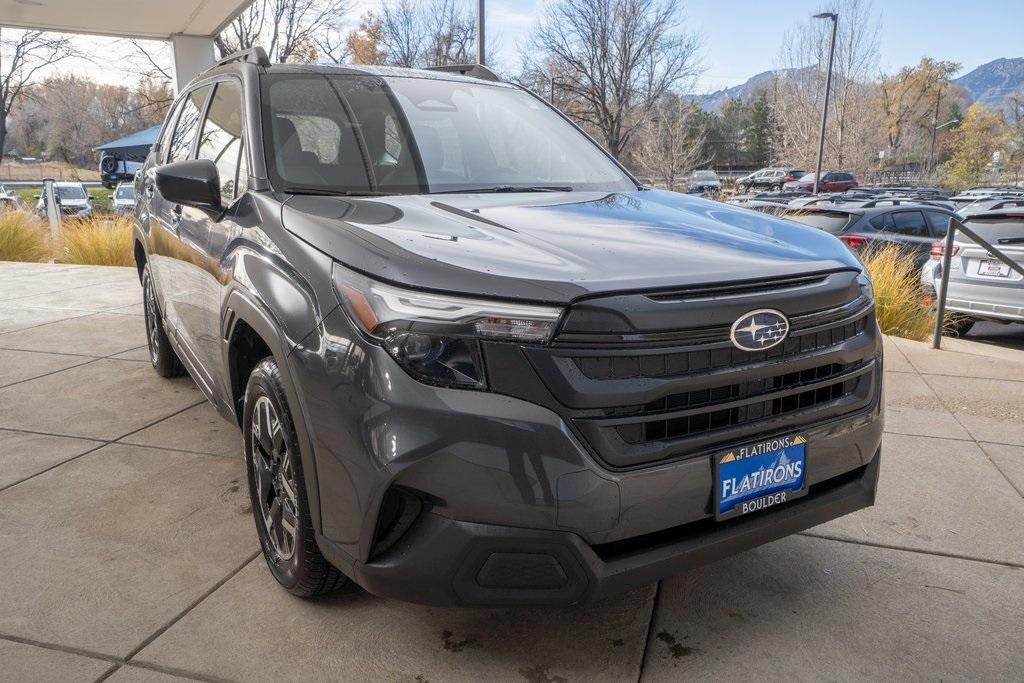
(127, 549)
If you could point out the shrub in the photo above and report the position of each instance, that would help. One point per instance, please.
(899, 296)
(23, 237)
(98, 241)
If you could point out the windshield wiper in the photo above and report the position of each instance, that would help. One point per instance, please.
(509, 188)
(325, 192)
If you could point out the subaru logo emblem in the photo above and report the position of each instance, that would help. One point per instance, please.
(759, 330)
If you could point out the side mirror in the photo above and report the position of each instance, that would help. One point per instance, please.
(194, 182)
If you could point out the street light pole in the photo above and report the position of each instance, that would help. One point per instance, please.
(828, 89)
(481, 54)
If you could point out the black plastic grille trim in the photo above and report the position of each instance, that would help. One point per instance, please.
(706, 360)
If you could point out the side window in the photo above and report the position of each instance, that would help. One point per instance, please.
(883, 222)
(909, 223)
(939, 221)
(165, 134)
(221, 139)
(187, 127)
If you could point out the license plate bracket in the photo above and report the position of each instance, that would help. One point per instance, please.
(759, 475)
(991, 267)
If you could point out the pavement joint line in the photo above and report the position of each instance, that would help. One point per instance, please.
(67, 649)
(184, 674)
(177, 450)
(971, 434)
(650, 630)
(102, 444)
(191, 606)
(919, 551)
(47, 374)
(92, 359)
(48, 322)
(996, 465)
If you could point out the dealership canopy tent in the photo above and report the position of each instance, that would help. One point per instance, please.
(189, 25)
(136, 143)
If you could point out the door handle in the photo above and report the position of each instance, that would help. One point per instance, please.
(176, 216)
(147, 190)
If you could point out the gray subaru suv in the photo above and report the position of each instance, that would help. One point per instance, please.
(474, 361)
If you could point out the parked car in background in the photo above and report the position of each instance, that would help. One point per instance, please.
(73, 199)
(468, 382)
(9, 199)
(981, 287)
(123, 200)
(833, 181)
(701, 182)
(989, 204)
(913, 227)
(115, 169)
(768, 179)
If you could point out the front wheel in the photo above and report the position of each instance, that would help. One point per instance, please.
(776, 188)
(277, 488)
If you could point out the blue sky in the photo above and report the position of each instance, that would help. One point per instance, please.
(742, 38)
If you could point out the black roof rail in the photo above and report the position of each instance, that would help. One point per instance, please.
(472, 70)
(253, 55)
(1005, 203)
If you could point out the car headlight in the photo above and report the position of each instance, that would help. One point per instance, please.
(436, 337)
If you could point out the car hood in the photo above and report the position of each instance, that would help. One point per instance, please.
(557, 247)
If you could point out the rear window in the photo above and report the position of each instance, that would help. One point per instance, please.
(830, 221)
(1000, 231)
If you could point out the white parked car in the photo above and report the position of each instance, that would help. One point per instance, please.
(124, 198)
(73, 199)
(981, 287)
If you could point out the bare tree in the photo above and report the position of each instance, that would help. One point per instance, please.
(617, 57)
(288, 29)
(22, 55)
(801, 88)
(425, 34)
(672, 141)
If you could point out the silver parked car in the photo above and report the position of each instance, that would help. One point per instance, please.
(981, 287)
(74, 201)
(124, 198)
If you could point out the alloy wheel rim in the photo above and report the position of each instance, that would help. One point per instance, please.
(152, 320)
(275, 480)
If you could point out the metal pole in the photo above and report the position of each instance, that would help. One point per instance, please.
(935, 130)
(828, 89)
(52, 210)
(481, 54)
(940, 305)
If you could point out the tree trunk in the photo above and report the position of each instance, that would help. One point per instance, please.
(3, 130)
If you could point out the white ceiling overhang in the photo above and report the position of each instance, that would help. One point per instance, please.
(157, 19)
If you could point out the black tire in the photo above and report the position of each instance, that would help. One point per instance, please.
(743, 188)
(161, 355)
(274, 469)
(960, 325)
(776, 188)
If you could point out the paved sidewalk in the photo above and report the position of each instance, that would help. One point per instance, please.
(127, 549)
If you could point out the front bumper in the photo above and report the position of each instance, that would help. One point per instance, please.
(443, 561)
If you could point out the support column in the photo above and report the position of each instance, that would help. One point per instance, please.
(191, 55)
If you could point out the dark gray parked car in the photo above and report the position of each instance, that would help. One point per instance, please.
(913, 226)
(473, 360)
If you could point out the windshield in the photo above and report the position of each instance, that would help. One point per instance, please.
(125, 192)
(808, 177)
(704, 175)
(70, 192)
(358, 134)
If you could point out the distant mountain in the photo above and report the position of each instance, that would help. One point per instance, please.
(993, 82)
(714, 101)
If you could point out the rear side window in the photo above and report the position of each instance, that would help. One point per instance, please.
(831, 222)
(221, 140)
(909, 223)
(940, 222)
(187, 127)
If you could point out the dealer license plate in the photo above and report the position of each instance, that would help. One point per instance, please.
(993, 267)
(759, 475)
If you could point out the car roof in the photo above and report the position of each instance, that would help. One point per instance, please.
(382, 71)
